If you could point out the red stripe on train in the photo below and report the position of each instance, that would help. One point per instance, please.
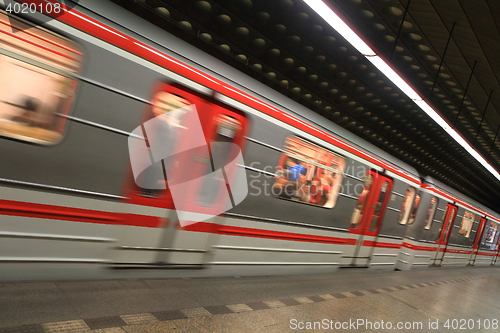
(25, 209)
(141, 220)
(269, 234)
(34, 210)
(458, 251)
(486, 254)
(42, 211)
(418, 247)
(381, 245)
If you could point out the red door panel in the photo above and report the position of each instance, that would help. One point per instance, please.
(480, 232)
(371, 204)
(213, 116)
(367, 217)
(451, 213)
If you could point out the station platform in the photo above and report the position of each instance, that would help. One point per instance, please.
(430, 300)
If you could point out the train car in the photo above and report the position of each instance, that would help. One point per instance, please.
(449, 230)
(83, 90)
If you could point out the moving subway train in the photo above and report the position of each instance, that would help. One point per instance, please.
(75, 91)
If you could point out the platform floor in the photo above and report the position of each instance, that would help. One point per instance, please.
(349, 301)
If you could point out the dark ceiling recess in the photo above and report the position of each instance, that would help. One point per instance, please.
(447, 49)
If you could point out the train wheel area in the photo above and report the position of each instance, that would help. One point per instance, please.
(434, 300)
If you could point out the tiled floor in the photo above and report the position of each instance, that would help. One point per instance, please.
(418, 301)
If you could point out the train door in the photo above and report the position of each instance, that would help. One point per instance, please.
(185, 161)
(491, 240)
(449, 217)
(477, 242)
(497, 252)
(367, 217)
(207, 195)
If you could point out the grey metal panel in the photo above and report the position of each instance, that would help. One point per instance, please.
(259, 155)
(87, 159)
(109, 109)
(358, 170)
(119, 73)
(354, 185)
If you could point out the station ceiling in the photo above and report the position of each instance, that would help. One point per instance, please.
(448, 50)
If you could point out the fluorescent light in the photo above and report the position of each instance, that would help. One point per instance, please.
(343, 29)
(456, 136)
(461, 141)
(433, 114)
(394, 77)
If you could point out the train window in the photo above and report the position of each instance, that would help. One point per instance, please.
(378, 206)
(37, 70)
(308, 173)
(357, 216)
(165, 103)
(406, 208)
(466, 226)
(430, 213)
(414, 210)
(490, 236)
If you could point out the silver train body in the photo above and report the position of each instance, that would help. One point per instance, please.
(69, 209)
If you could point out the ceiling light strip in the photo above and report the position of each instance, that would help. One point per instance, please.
(343, 29)
(394, 77)
(357, 42)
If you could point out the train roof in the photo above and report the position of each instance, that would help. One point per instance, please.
(431, 181)
(198, 59)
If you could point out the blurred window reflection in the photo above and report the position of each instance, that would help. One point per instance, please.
(466, 226)
(308, 173)
(414, 210)
(407, 205)
(490, 237)
(361, 203)
(431, 211)
(36, 76)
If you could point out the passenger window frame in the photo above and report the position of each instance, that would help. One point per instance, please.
(469, 222)
(310, 174)
(38, 116)
(431, 213)
(407, 206)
